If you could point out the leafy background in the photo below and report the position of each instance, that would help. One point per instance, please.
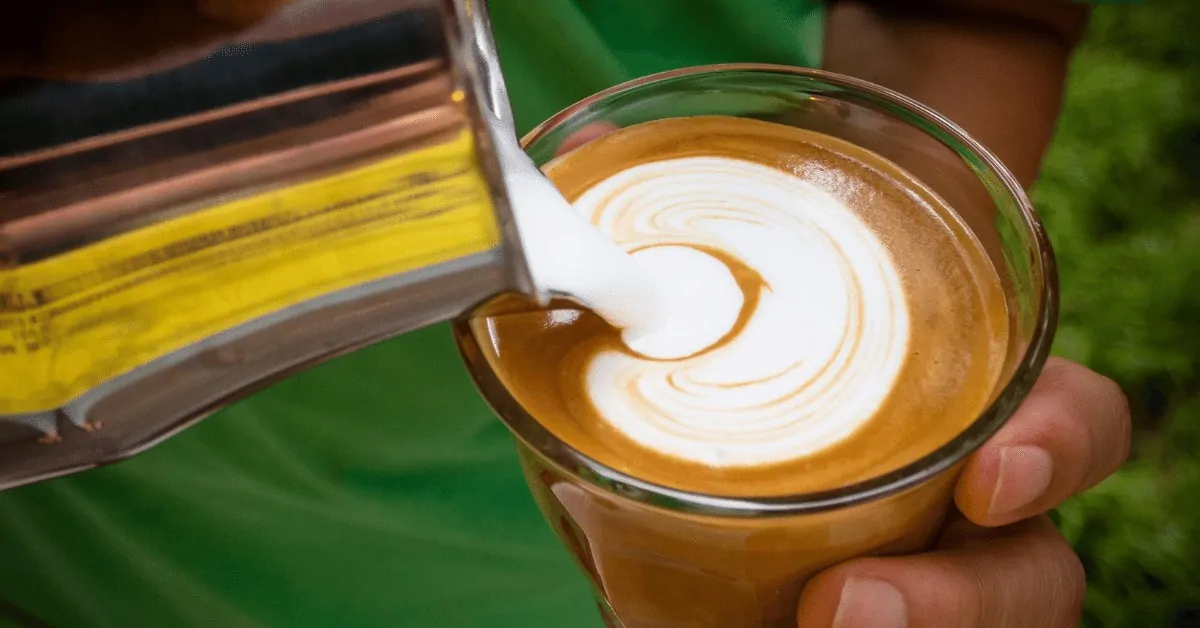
(1120, 192)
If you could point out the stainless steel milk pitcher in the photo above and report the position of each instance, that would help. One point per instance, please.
(178, 232)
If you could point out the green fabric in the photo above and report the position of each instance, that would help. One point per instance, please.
(376, 490)
(556, 52)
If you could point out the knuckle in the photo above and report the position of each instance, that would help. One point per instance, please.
(1086, 414)
(1031, 576)
(1068, 580)
(1062, 418)
(1113, 423)
(1114, 397)
(1058, 373)
(1066, 564)
(1118, 401)
(1074, 584)
(1078, 580)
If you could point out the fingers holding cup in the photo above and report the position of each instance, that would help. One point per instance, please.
(1070, 433)
(1021, 575)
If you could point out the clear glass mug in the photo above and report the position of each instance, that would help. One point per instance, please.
(660, 557)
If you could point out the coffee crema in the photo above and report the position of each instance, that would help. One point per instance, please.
(872, 327)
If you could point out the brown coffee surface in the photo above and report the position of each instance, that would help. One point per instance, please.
(958, 316)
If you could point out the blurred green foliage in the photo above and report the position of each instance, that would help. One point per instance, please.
(1121, 195)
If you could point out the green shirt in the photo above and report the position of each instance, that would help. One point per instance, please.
(378, 489)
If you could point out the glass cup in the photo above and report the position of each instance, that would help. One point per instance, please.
(660, 557)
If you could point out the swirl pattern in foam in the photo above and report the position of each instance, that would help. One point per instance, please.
(817, 350)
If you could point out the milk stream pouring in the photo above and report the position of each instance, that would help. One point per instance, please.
(171, 241)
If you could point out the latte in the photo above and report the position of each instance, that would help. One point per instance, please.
(871, 326)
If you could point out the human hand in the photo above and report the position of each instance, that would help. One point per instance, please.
(1000, 562)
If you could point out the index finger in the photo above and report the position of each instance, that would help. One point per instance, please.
(1070, 433)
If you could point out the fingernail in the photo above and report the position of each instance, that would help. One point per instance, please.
(868, 603)
(1024, 476)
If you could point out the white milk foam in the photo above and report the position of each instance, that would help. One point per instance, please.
(817, 357)
(670, 303)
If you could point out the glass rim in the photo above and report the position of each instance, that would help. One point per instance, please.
(578, 465)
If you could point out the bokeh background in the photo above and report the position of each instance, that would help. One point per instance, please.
(1120, 192)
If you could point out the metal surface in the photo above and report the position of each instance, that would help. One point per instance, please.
(320, 87)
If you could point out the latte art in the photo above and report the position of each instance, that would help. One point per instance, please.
(847, 323)
(837, 322)
(818, 348)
